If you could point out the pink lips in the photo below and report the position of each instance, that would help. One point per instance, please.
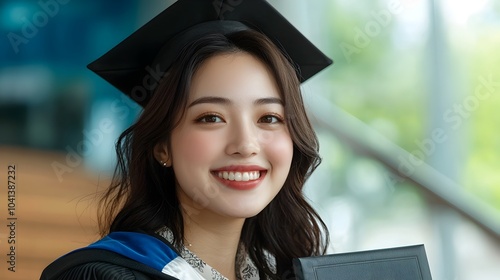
(241, 185)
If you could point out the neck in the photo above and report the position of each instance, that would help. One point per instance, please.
(213, 238)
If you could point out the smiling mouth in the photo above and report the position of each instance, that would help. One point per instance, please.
(239, 176)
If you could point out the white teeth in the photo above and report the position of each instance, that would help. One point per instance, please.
(245, 176)
(239, 176)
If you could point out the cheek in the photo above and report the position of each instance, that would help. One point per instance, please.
(193, 147)
(279, 149)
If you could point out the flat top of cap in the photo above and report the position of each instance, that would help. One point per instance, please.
(126, 65)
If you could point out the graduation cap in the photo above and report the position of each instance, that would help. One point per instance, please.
(152, 49)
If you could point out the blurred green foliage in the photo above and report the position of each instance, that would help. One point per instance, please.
(482, 170)
(384, 81)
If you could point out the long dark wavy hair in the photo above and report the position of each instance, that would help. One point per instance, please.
(143, 195)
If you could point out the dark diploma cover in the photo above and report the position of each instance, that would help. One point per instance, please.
(400, 263)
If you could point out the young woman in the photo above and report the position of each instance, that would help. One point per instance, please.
(209, 179)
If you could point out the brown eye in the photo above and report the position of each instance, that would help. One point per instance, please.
(270, 119)
(210, 119)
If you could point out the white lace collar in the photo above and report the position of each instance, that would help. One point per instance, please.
(247, 269)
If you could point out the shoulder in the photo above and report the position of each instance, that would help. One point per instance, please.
(99, 264)
(102, 260)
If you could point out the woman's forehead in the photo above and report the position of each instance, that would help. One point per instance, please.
(233, 76)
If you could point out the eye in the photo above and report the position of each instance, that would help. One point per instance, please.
(209, 118)
(271, 119)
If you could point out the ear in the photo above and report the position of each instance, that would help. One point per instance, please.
(161, 154)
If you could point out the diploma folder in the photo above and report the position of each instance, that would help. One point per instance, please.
(400, 263)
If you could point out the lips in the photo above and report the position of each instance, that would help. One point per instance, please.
(240, 177)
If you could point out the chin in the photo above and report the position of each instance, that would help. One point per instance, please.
(245, 212)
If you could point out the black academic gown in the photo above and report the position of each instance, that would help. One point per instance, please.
(111, 260)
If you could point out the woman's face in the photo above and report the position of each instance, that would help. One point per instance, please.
(231, 152)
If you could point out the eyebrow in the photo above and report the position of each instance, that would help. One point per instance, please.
(269, 100)
(226, 101)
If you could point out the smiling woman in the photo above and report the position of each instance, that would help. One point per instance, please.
(232, 138)
(209, 179)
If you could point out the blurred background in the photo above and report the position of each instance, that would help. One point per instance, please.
(407, 119)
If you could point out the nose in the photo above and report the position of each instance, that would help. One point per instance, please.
(243, 139)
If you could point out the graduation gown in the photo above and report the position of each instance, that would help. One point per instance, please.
(122, 255)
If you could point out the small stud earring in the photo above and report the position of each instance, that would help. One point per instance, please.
(163, 163)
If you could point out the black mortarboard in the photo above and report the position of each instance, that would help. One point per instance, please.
(129, 64)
